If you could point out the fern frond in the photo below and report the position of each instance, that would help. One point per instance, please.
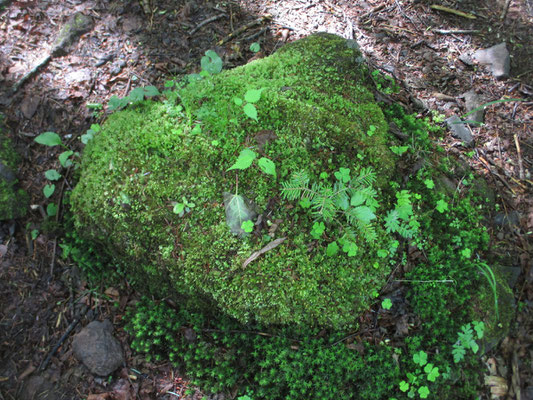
(366, 177)
(296, 187)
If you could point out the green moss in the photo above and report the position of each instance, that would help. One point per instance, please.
(316, 103)
(13, 200)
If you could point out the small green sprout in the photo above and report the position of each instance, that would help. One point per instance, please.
(386, 304)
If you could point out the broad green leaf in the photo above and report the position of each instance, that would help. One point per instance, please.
(238, 210)
(332, 249)
(86, 137)
(151, 91)
(136, 95)
(357, 199)
(48, 190)
(253, 95)
(404, 386)
(237, 101)
(51, 210)
(479, 327)
(211, 62)
(116, 103)
(179, 208)
(63, 158)
(250, 110)
(245, 159)
(255, 47)
(267, 166)
(305, 203)
(474, 346)
(34, 234)
(364, 214)
(52, 174)
(48, 139)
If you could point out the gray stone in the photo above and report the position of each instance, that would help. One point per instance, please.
(497, 58)
(466, 59)
(76, 25)
(503, 219)
(460, 130)
(97, 349)
(473, 101)
(6, 173)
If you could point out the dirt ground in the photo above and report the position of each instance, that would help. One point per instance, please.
(44, 300)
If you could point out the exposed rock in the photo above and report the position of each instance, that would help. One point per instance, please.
(460, 130)
(29, 105)
(466, 59)
(503, 219)
(96, 347)
(77, 25)
(497, 58)
(473, 101)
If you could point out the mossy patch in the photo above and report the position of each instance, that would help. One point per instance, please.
(317, 109)
(13, 200)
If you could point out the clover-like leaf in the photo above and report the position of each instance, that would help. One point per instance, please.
(255, 47)
(48, 139)
(245, 159)
(247, 226)
(423, 391)
(386, 304)
(420, 358)
(318, 229)
(364, 214)
(442, 206)
(404, 386)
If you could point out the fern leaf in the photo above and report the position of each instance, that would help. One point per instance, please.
(296, 187)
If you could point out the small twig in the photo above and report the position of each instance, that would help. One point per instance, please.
(520, 163)
(207, 21)
(257, 34)
(505, 9)
(456, 31)
(452, 11)
(244, 28)
(374, 10)
(70, 328)
(31, 73)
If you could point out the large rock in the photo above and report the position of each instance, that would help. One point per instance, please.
(316, 113)
(97, 349)
(497, 58)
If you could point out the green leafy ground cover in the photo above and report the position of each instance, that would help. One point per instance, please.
(271, 203)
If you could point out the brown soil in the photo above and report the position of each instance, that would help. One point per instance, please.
(41, 293)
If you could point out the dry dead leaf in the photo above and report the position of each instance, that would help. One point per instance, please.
(498, 386)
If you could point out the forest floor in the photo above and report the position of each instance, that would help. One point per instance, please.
(128, 45)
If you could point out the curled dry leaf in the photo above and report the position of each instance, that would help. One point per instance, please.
(272, 245)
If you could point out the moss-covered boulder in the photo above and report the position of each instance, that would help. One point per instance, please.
(270, 191)
(13, 200)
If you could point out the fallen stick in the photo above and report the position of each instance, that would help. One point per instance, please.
(70, 328)
(456, 31)
(520, 163)
(452, 11)
(505, 9)
(204, 23)
(244, 28)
